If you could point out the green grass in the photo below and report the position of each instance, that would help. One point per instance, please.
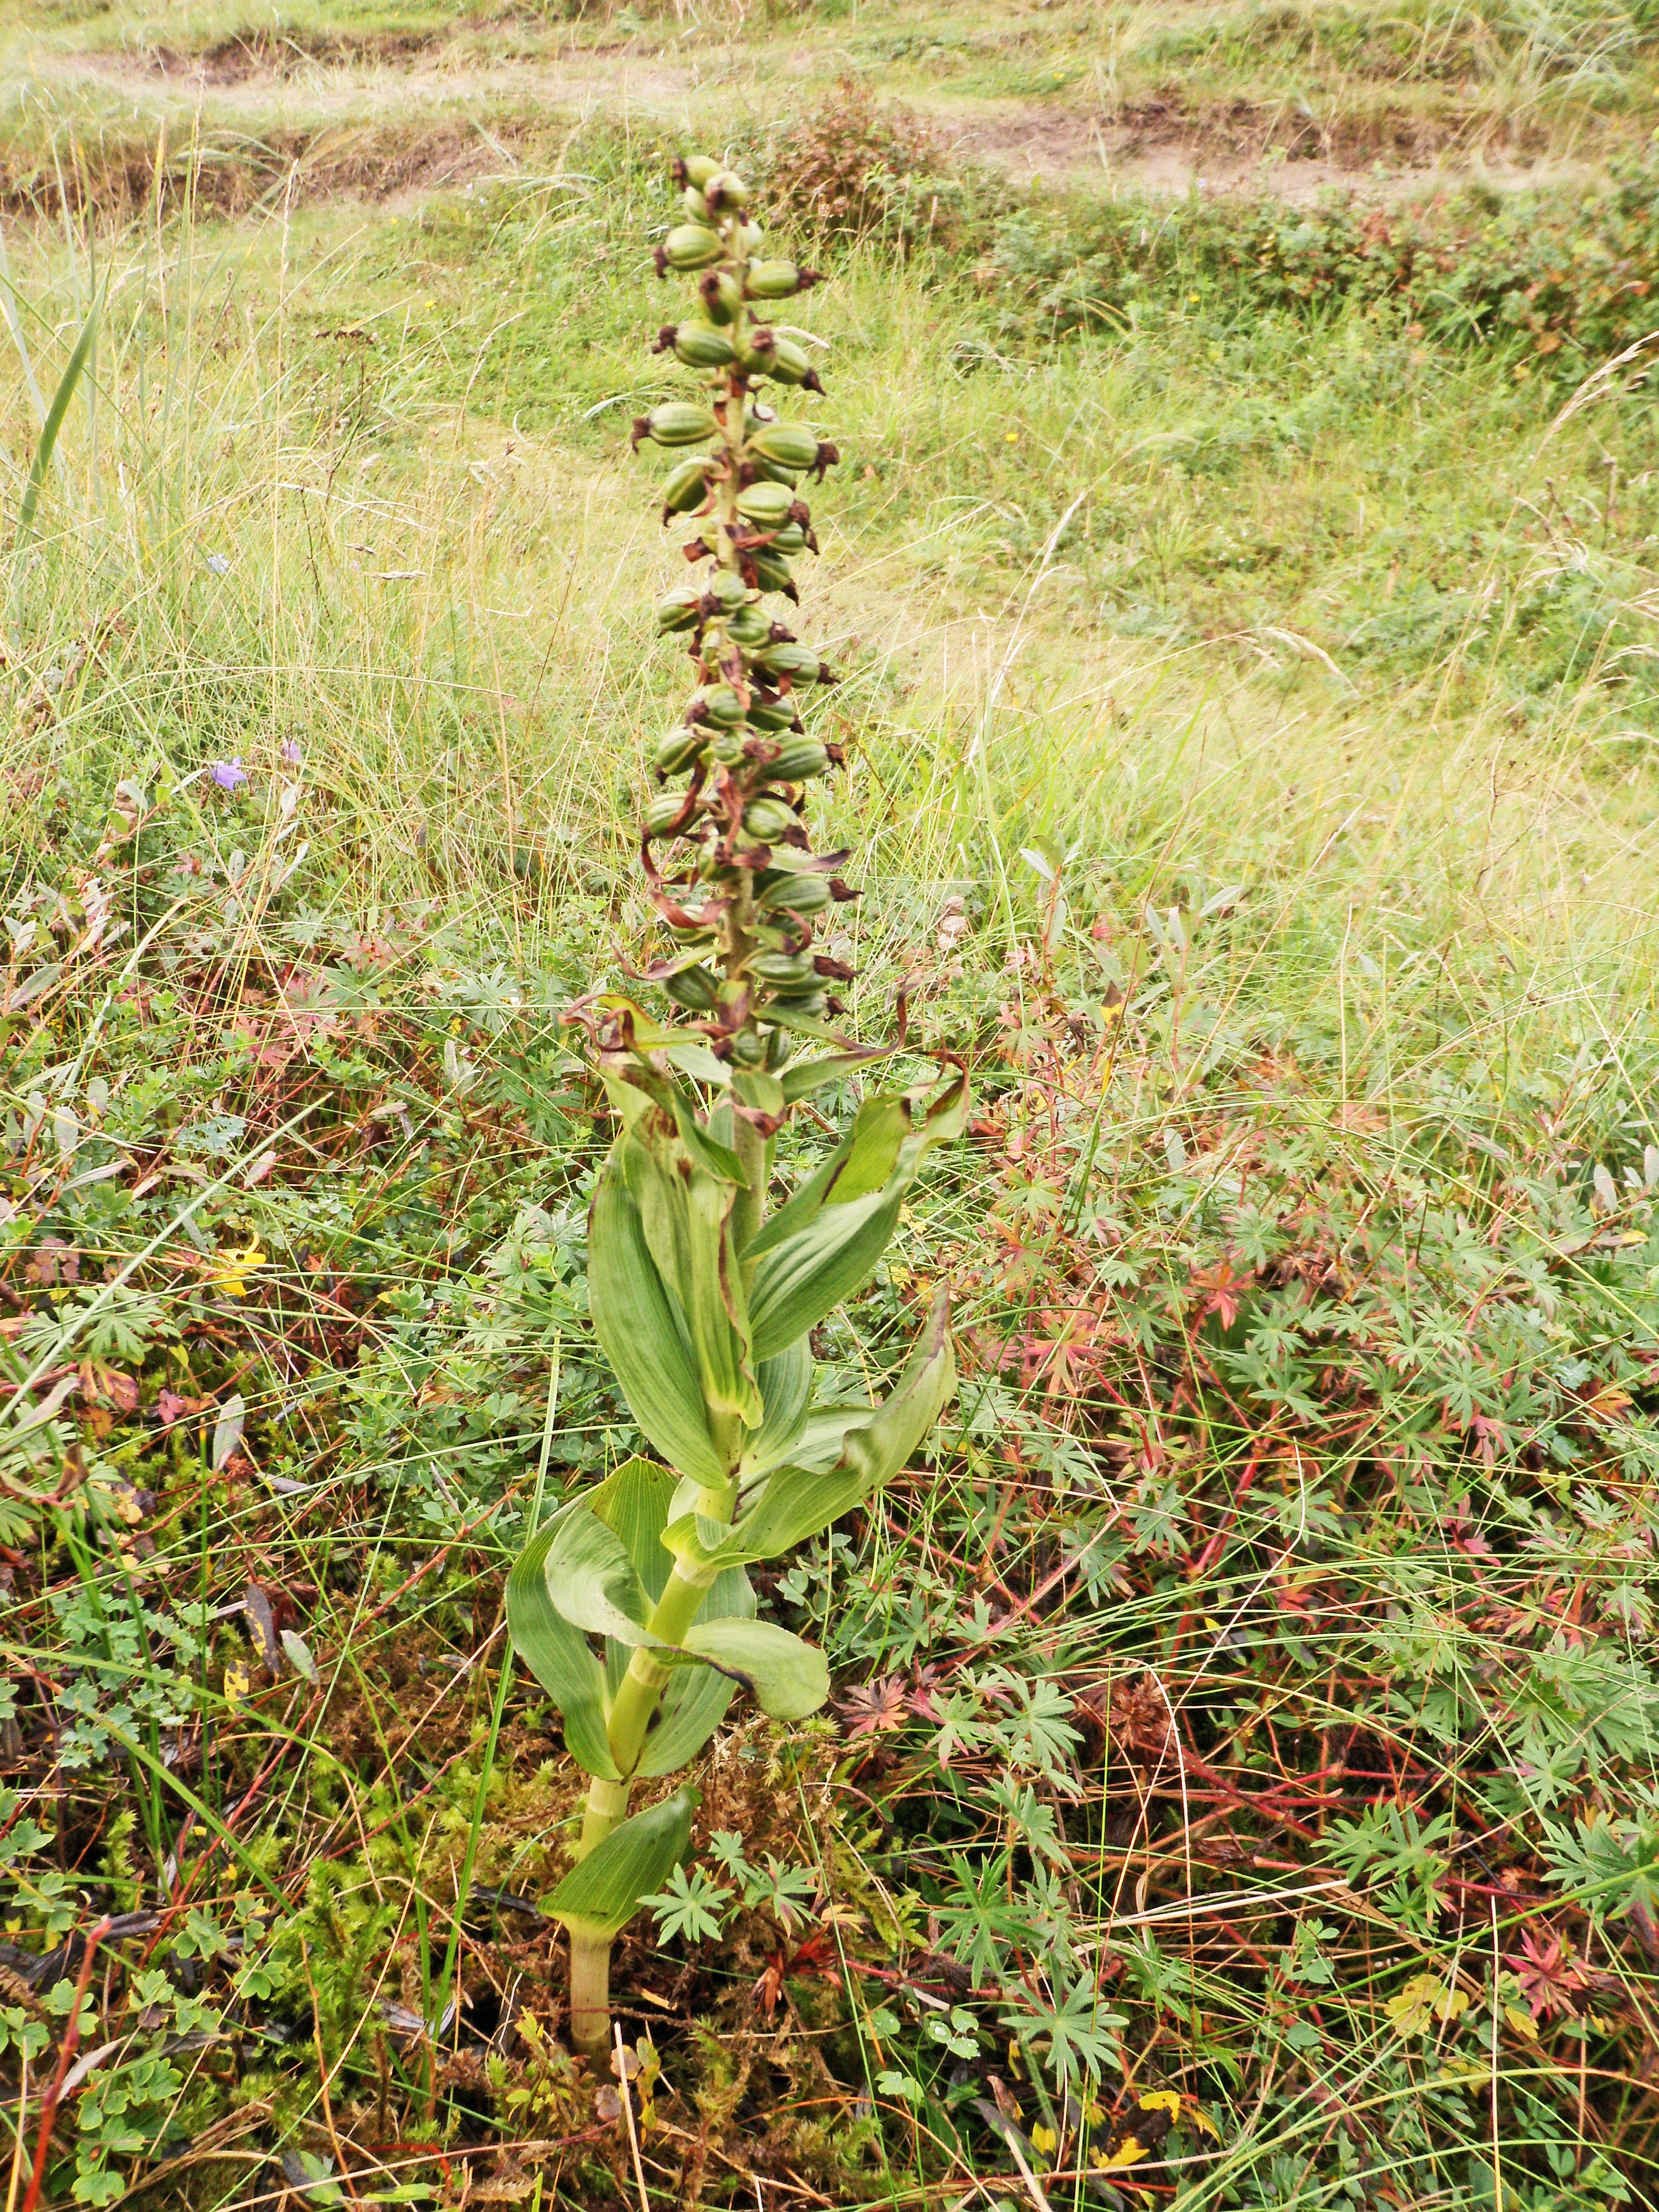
(1252, 750)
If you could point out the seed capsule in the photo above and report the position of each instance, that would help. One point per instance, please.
(719, 705)
(767, 819)
(690, 246)
(766, 504)
(726, 191)
(800, 758)
(727, 748)
(771, 574)
(794, 659)
(729, 589)
(808, 1006)
(676, 750)
(695, 169)
(748, 1049)
(796, 895)
(790, 539)
(661, 813)
(787, 364)
(772, 714)
(778, 280)
(694, 988)
(699, 345)
(680, 610)
(791, 445)
(721, 299)
(749, 238)
(695, 207)
(676, 422)
(784, 970)
(748, 628)
(685, 486)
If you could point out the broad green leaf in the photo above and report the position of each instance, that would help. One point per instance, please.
(686, 1214)
(786, 1384)
(638, 1324)
(634, 1504)
(591, 1580)
(786, 1678)
(879, 1127)
(759, 1088)
(695, 1702)
(798, 1500)
(599, 1897)
(839, 1224)
(807, 1076)
(555, 1652)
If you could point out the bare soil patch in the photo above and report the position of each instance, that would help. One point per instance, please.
(118, 179)
(1165, 144)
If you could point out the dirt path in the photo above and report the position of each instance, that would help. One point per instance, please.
(404, 83)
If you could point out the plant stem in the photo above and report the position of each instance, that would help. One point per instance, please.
(590, 1995)
(636, 1702)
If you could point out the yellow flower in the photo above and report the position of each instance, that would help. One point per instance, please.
(233, 1269)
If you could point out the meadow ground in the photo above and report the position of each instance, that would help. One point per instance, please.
(1240, 1784)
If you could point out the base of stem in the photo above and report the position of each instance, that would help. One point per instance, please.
(590, 1995)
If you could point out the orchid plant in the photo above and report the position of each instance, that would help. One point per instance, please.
(632, 1604)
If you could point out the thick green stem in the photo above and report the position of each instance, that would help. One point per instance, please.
(590, 1995)
(636, 1701)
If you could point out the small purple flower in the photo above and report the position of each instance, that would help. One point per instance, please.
(230, 775)
(218, 564)
(292, 756)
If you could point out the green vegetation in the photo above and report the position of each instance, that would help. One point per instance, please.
(1238, 1786)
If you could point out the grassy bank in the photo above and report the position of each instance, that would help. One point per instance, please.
(1240, 1785)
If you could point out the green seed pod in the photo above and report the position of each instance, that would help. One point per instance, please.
(775, 280)
(729, 589)
(788, 364)
(695, 169)
(765, 504)
(796, 895)
(771, 472)
(691, 246)
(791, 445)
(772, 574)
(694, 988)
(748, 1049)
(727, 749)
(800, 758)
(787, 971)
(699, 345)
(695, 207)
(680, 610)
(676, 422)
(772, 714)
(748, 628)
(792, 659)
(676, 750)
(791, 538)
(720, 705)
(661, 813)
(749, 238)
(685, 486)
(766, 817)
(726, 192)
(721, 299)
